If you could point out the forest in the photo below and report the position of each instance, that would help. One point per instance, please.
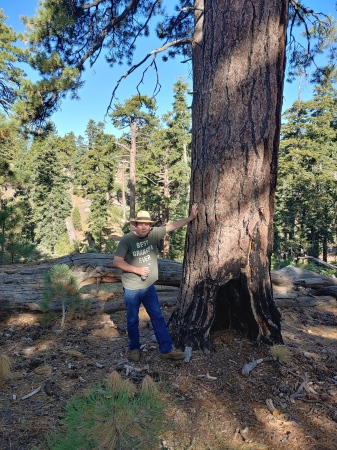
(265, 180)
(41, 175)
(255, 209)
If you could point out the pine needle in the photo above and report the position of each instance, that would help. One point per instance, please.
(117, 384)
(281, 353)
(5, 367)
(149, 386)
(115, 381)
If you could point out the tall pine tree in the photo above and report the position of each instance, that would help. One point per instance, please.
(95, 174)
(50, 195)
(306, 211)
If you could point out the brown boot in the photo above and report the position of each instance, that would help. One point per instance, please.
(173, 354)
(134, 355)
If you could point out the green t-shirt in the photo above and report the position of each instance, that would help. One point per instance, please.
(140, 252)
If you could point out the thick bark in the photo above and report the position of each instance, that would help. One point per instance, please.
(238, 73)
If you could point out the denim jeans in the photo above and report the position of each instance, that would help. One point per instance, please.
(149, 298)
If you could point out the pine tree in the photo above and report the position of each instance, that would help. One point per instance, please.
(307, 189)
(50, 195)
(76, 216)
(11, 76)
(15, 246)
(95, 173)
(163, 171)
(137, 112)
(238, 63)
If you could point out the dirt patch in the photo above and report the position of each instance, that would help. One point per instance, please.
(211, 404)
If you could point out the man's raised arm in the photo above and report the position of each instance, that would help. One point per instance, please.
(180, 223)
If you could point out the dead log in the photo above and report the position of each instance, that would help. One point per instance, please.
(21, 286)
(329, 290)
(301, 277)
(296, 300)
(318, 261)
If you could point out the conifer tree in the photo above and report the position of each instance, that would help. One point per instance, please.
(95, 177)
(14, 245)
(163, 171)
(76, 216)
(134, 114)
(307, 188)
(11, 76)
(179, 142)
(50, 194)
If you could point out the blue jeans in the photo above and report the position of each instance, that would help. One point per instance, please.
(149, 298)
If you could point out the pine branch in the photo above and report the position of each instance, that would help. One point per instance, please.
(153, 53)
(106, 30)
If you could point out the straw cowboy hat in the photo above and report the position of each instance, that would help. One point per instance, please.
(142, 216)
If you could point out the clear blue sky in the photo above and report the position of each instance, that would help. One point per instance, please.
(101, 79)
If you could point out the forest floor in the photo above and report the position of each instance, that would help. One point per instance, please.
(212, 405)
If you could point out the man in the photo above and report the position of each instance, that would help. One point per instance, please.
(136, 256)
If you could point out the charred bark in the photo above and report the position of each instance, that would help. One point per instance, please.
(238, 74)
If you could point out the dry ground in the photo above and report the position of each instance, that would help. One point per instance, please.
(214, 406)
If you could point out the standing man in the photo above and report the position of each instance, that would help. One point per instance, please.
(136, 256)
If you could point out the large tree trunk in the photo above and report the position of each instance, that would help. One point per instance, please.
(238, 73)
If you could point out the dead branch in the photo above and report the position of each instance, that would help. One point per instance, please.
(271, 407)
(298, 393)
(31, 393)
(153, 53)
(318, 261)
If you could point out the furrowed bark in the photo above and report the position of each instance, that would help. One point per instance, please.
(238, 73)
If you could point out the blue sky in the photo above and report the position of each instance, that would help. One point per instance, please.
(101, 79)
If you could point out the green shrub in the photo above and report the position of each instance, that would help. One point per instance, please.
(118, 416)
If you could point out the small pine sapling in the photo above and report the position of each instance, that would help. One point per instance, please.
(60, 287)
(118, 416)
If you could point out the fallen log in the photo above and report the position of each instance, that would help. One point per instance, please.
(21, 286)
(300, 277)
(318, 261)
(328, 290)
(291, 302)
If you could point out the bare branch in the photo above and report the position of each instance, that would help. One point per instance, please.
(299, 7)
(153, 53)
(122, 145)
(157, 87)
(148, 178)
(90, 5)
